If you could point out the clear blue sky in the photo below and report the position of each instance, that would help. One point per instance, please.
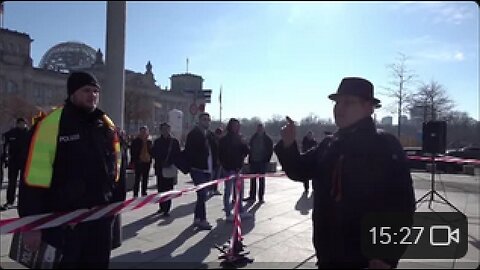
(276, 58)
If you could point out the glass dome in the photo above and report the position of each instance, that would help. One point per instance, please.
(68, 56)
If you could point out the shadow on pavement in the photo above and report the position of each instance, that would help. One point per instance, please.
(192, 257)
(130, 230)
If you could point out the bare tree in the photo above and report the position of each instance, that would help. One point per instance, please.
(13, 106)
(434, 99)
(462, 130)
(459, 118)
(136, 108)
(402, 77)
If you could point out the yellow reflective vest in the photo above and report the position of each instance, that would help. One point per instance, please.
(41, 155)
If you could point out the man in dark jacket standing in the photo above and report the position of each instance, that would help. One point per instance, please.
(356, 172)
(217, 168)
(232, 153)
(14, 148)
(201, 152)
(261, 150)
(84, 172)
(165, 151)
(140, 154)
(308, 143)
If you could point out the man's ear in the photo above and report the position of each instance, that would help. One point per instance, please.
(371, 107)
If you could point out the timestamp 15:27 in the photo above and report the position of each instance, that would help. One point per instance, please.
(383, 235)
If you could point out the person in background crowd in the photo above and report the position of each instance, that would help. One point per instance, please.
(308, 143)
(217, 170)
(141, 159)
(201, 152)
(261, 150)
(232, 153)
(165, 151)
(14, 148)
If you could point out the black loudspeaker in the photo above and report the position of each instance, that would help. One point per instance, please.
(434, 137)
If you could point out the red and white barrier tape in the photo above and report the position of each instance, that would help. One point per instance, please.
(237, 220)
(43, 221)
(448, 159)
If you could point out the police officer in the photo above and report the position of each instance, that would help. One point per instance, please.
(14, 150)
(355, 172)
(84, 172)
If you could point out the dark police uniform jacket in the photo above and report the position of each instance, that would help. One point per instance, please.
(355, 172)
(16, 140)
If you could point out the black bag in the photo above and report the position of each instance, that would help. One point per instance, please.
(182, 162)
(46, 257)
(117, 232)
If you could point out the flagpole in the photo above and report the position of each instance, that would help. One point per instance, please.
(2, 10)
(220, 99)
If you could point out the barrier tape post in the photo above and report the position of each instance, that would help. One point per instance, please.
(234, 254)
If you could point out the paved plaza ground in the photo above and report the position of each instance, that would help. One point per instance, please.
(279, 235)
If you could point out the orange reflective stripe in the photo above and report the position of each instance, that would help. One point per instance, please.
(116, 146)
(118, 156)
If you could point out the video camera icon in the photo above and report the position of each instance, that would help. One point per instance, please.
(445, 235)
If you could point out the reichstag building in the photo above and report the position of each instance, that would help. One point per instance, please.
(25, 89)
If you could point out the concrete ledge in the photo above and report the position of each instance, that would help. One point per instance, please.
(471, 169)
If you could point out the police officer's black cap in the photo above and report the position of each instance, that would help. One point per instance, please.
(78, 79)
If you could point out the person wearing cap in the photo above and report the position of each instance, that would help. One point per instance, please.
(165, 152)
(356, 172)
(83, 172)
(14, 150)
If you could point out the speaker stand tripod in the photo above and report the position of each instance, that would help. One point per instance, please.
(433, 192)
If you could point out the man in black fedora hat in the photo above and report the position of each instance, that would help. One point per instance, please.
(356, 172)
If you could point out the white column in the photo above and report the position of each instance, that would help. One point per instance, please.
(112, 97)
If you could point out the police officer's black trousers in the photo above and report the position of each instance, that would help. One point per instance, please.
(14, 170)
(87, 245)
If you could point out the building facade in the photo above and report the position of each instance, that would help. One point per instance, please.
(25, 90)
